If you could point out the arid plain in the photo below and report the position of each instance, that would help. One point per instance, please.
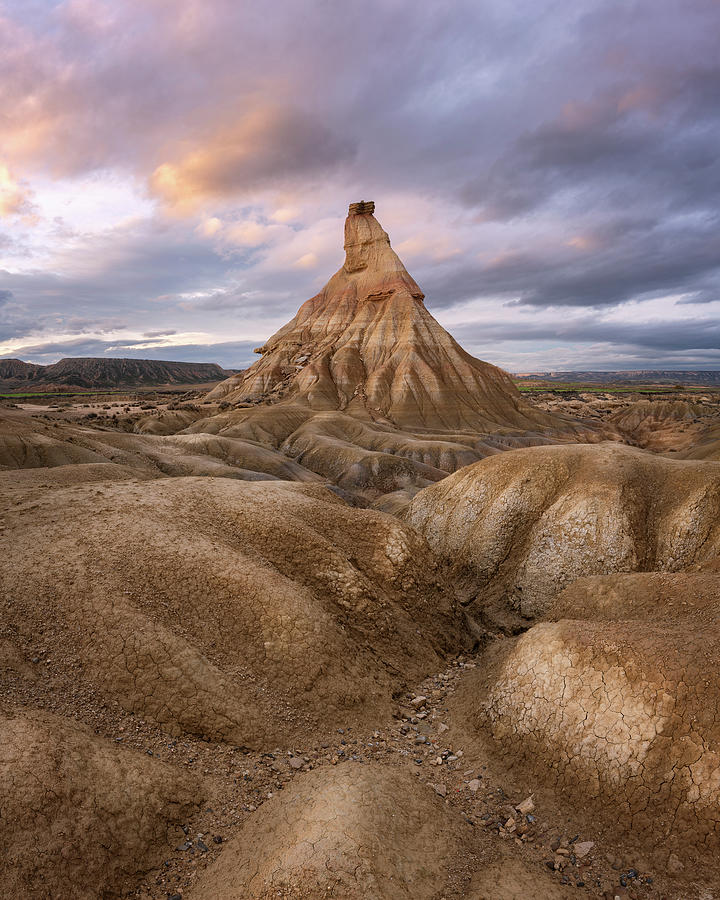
(363, 621)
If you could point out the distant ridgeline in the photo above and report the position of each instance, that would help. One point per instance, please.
(636, 376)
(88, 372)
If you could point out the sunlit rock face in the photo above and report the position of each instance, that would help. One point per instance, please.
(366, 344)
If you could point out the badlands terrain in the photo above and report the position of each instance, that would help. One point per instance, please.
(363, 621)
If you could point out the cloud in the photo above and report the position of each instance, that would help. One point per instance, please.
(229, 354)
(544, 163)
(15, 196)
(267, 145)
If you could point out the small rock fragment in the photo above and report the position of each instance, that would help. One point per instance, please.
(527, 806)
(582, 848)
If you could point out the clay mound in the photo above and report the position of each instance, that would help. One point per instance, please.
(202, 454)
(616, 704)
(167, 421)
(620, 715)
(520, 526)
(706, 445)
(369, 460)
(241, 612)
(661, 425)
(649, 596)
(355, 831)
(80, 817)
(26, 443)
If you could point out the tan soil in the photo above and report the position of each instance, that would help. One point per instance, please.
(244, 686)
(519, 527)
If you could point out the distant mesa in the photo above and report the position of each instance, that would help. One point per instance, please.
(707, 377)
(100, 373)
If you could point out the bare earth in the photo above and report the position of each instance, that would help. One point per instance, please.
(363, 621)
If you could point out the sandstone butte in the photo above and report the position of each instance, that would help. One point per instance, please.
(367, 345)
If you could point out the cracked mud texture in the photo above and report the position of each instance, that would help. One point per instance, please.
(620, 708)
(520, 526)
(78, 815)
(233, 611)
(353, 831)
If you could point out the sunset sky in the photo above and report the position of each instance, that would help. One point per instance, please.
(174, 174)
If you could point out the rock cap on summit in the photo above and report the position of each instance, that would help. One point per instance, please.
(362, 208)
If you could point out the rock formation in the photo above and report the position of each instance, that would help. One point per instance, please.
(367, 344)
(364, 385)
(519, 527)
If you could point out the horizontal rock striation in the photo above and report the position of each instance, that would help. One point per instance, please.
(367, 345)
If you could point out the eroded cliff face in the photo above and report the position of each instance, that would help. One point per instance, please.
(366, 344)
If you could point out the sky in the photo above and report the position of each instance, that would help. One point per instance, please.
(174, 174)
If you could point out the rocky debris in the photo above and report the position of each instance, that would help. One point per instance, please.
(363, 208)
(526, 807)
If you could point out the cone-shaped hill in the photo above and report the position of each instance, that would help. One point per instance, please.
(366, 344)
(365, 388)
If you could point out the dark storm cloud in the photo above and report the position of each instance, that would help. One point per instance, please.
(698, 334)
(624, 259)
